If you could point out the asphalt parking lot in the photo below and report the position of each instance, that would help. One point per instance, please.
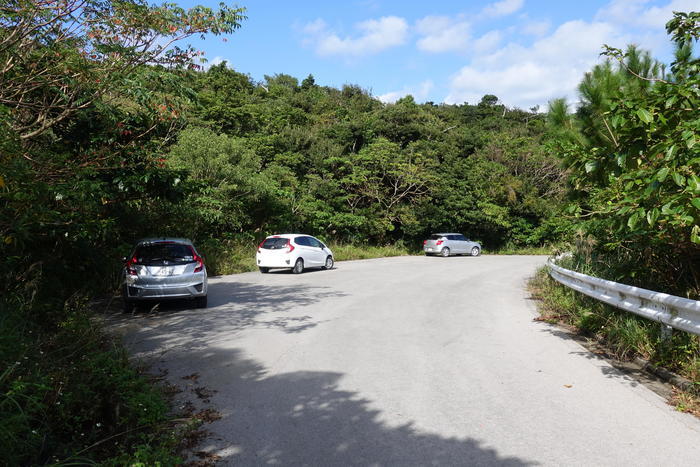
(402, 361)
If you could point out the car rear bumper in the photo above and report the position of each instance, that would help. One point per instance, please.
(152, 292)
(281, 261)
(433, 250)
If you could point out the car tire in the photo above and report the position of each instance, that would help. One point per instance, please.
(298, 266)
(476, 251)
(329, 263)
(264, 270)
(201, 302)
(445, 252)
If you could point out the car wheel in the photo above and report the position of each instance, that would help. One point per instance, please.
(201, 302)
(298, 266)
(329, 263)
(445, 252)
(264, 270)
(476, 251)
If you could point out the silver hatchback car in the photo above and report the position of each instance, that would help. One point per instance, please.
(162, 269)
(446, 244)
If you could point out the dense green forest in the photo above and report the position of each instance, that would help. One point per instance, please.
(109, 133)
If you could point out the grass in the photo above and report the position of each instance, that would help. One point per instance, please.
(624, 335)
(69, 395)
(523, 250)
(346, 252)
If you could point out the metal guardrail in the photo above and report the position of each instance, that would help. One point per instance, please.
(676, 312)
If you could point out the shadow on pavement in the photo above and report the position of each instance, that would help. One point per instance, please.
(305, 418)
(233, 307)
(624, 371)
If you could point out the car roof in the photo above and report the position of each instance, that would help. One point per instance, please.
(185, 241)
(447, 233)
(288, 235)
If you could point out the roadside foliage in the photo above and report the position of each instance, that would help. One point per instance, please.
(633, 151)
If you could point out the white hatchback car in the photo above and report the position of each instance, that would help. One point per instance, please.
(294, 251)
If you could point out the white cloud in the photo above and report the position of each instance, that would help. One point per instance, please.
(503, 8)
(419, 93)
(315, 27)
(635, 12)
(536, 28)
(442, 34)
(488, 41)
(375, 36)
(217, 61)
(525, 76)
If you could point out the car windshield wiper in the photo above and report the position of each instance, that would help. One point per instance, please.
(153, 260)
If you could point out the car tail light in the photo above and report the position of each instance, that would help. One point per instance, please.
(290, 247)
(424, 242)
(130, 269)
(198, 260)
(438, 243)
(200, 264)
(260, 246)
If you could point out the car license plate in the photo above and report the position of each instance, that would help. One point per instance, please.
(166, 271)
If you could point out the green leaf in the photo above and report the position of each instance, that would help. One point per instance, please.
(644, 115)
(695, 234)
(621, 160)
(670, 152)
(591, 166)
(696, 202)
(633, 220)
(662, 174)
(679, 179)
(652, 216)
(694, 184)
(666, 209)
(690, 142)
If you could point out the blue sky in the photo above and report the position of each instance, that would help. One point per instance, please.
(526, 52)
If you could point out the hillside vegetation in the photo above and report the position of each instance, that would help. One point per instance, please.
(109, 133)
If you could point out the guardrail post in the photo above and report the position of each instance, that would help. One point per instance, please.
(666, 333)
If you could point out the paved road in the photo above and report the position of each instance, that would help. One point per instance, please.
(404, 361)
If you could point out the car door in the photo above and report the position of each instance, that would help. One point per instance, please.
(454, 244)
(319, 254)
(463, 244)
(305, 250)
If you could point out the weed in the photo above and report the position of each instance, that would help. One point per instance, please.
(686, 401)
(69, 395)
(524, 250)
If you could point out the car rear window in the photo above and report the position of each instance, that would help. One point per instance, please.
(275, 243)
(155, 253)
(436, 237)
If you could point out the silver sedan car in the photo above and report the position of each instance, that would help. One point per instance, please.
(446, 244)
(163, 269)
